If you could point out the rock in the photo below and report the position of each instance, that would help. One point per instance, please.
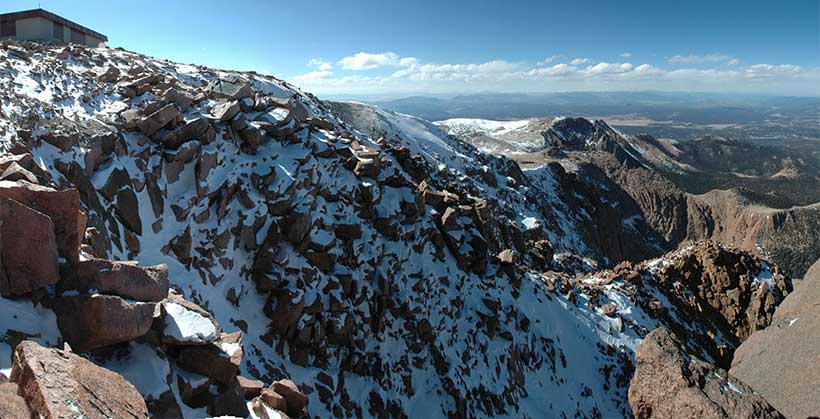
(225, 111)
(154, 122)
(12, 406)
(185, 326)
(231, 402)
(181, 98)
(232, 91)
(296, 401)
(94, 321)
(26, 161)
(218, 360)
(63, 207)
(273, 400)
(60, 384)
(111, 75)
(15, 172)
(296, 227)
(250, 388)
(508, 256)
(609, 310)
(670, 384)
(28, 250)
(782, 361)
(125, 279)
(192, 130)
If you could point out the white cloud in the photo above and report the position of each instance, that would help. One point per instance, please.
(411, 75)
(580, 61)
(367, 61)
(626, 54)
(692, 58)
(312, 77)
(608, 68)
(549, 59)
(320, 64)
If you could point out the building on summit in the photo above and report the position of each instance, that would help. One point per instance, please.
(41, 25)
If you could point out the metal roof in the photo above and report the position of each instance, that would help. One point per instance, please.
(51, 16)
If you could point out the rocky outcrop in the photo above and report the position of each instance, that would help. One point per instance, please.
(669, 383)
(94, 321)
(58, 384)
(782, 362)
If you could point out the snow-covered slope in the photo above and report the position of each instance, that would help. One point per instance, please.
(385, 267)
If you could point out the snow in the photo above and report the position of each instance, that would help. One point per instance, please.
(490, 126)
(186, 325)
(143, 367)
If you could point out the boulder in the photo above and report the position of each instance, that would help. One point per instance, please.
(155, 121)
(62, 207)
(669, 383)
(12, 406)
(218, 360)
(192, 130)
(230, 402)
(28, 250)
(125, 279)
(60, 384)
(250, 388)
(296, 401)
(92, 321)
(15, 172)
(230, 90)
(782, 362)
(225, 111)
(184, 326)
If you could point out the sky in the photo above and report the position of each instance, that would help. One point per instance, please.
(402, 48)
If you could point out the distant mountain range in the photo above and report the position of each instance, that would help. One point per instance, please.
(672, 114)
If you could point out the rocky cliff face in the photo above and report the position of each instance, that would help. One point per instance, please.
(386, 268)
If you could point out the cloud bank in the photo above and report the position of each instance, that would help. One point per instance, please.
(388, 72)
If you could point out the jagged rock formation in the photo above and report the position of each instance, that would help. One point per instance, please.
(782, 362)
(670, 383)
(635, 172)
(386, 268)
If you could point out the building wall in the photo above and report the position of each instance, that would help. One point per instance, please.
(41, 29)
(34, 29)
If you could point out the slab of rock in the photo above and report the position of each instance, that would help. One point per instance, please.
(218, 360)
(251, 388)
(63, 207)
(225, 111)
(28, 250)
(94, 321)
(192, 130)
(125, 279)
(671, 384)
(60, 384)
(229, 90)
(154, 122)
(782, 362)
(184, 326)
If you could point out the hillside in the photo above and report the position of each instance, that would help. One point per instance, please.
(677, 184)
(385, 267)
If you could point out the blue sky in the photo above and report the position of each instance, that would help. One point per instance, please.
(414, 47)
